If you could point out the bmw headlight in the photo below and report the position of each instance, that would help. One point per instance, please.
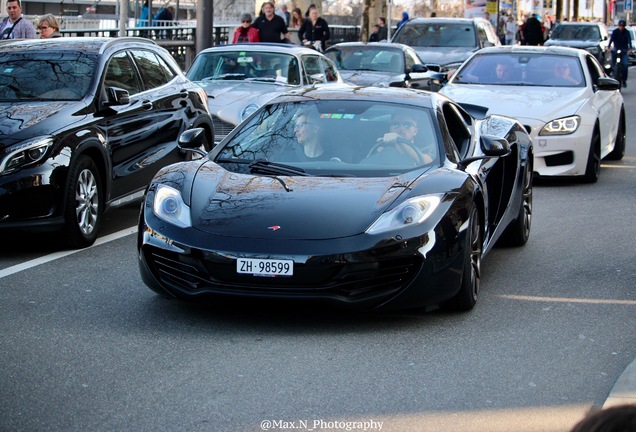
(248, 110)
(410, 212)
(562, 126)
(24, 154)
(169, 206)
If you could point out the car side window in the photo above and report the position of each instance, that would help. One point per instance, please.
(120, 73)
(330, 71)
(481, 35)
(313, 72)
(409, 60)
(457, 128)
(154, 71)
(594, 68)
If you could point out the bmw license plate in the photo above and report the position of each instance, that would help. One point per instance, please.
(265, 267)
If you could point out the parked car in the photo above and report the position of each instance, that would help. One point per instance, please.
(590, 36)
(446, 42)
(379, 64)
(85, 123)
(632, 54)
(240, 78)
(301, 201)
(574, 112)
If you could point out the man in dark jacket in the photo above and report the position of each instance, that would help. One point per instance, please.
(532, 31)
(621, 41)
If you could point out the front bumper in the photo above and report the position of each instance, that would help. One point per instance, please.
(390, 274)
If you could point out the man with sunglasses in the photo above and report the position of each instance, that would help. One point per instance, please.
(245, 33)
(621, 40)
(401, 137)
(14, 26)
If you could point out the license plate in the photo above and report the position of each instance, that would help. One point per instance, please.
(265, 267)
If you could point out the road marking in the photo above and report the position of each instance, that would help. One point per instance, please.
(57, 255)
(569, 300)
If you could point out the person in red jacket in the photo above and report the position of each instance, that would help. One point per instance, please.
(245, 32)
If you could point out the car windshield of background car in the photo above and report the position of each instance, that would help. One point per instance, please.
(573, 32)
(346, 130)
(525, 70)
(49, 75)
(368, 59)
(437, 35)
(277, 68)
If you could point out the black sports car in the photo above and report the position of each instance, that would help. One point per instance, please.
(366, 197)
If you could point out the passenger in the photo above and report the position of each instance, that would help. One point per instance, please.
(621, 418)
(503, 71)
(49, 28)
(307, 132)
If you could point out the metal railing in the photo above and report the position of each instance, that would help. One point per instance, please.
(180, 40)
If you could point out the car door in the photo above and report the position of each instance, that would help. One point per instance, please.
(130, 129)
(606, 103)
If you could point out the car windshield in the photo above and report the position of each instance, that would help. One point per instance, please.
(522, 69)
(277, 68)
(45, 76)
(333, 138)
(437, 35)
(368, 58)
(576, 32)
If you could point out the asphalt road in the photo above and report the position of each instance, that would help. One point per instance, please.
(84, 346)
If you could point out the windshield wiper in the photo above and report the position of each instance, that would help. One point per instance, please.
(273, 168)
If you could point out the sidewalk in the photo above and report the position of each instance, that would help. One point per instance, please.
(624, 390)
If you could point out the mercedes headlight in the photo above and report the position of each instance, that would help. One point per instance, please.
(169, 206)
(411, 212)
(562, 126)
(25, 154)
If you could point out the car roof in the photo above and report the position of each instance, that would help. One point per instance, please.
(581, 24)
(530, 49)
(381, 94)
(443, 20)
(385, 45)
(94, 44)
(263, 46)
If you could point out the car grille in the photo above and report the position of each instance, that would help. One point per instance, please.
(221, 128)
(320, 277)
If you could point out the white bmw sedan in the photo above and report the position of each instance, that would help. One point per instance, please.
(572, 109)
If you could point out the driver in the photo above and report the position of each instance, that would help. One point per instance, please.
(401, 136)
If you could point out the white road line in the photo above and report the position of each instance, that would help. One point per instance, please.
(57, 255)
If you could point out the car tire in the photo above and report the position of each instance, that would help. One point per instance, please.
(466, 298)
(518, 231)
(619, 145)
(593, 166)
(84, 204)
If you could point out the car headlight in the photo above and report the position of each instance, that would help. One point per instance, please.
(410, 212)
(248, 110)
(562, 126)
(26, 153)
(169, 206)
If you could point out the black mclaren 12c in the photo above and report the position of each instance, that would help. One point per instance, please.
(369, 198)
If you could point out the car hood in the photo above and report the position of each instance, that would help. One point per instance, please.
(443, 55)
(573, 43)
(241, 205)
(370, 78)
(227, 99)
(22, 120)
(538, 103)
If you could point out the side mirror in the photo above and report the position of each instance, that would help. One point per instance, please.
(418, 68)
(606, 83)
(116, 96)
(491, 147)
(192, 140)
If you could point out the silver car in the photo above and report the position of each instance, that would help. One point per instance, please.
(239, 78)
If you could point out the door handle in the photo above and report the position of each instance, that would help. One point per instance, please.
(147, 105)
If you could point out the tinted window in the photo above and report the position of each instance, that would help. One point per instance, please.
(437, 35)
(154, 71)
(367, 57)
(575, 32)
(120, 73)
(51, 75)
